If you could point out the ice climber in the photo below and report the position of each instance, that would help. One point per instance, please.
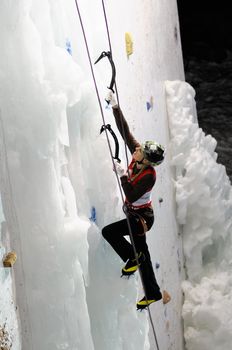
(137, 182)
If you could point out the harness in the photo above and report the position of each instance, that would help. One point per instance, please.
(132, 212)
(145, 200)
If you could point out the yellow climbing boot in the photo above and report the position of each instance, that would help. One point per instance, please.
(145, 302)
(132, 265)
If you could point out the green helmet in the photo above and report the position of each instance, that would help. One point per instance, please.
(153, 152)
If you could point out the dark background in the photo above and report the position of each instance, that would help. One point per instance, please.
(206, 39)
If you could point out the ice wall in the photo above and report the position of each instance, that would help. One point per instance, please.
(204, 206)
(55, 167)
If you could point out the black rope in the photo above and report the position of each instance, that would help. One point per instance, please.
(129, 226)
(110, 149)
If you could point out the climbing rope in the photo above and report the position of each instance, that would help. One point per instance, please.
(96, 89)
(116, 90)
(129, 226)
(110, 149)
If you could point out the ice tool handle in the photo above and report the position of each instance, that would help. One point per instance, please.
(108, 127)
(109, 55)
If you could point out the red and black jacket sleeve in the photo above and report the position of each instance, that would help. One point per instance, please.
(132, 191)
(124, 130)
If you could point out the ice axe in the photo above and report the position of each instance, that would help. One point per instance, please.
(109, 56)
(108, 127)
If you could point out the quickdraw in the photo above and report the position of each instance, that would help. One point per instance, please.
(109, 56)
(108, 127)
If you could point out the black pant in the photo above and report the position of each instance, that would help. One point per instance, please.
(114, 234)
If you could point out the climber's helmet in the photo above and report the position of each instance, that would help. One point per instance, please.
(153, 152)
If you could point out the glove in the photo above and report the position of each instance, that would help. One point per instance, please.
(110, 98)
(119, 169)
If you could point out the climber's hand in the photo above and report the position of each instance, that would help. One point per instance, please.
(120, 170)
(110, 98)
